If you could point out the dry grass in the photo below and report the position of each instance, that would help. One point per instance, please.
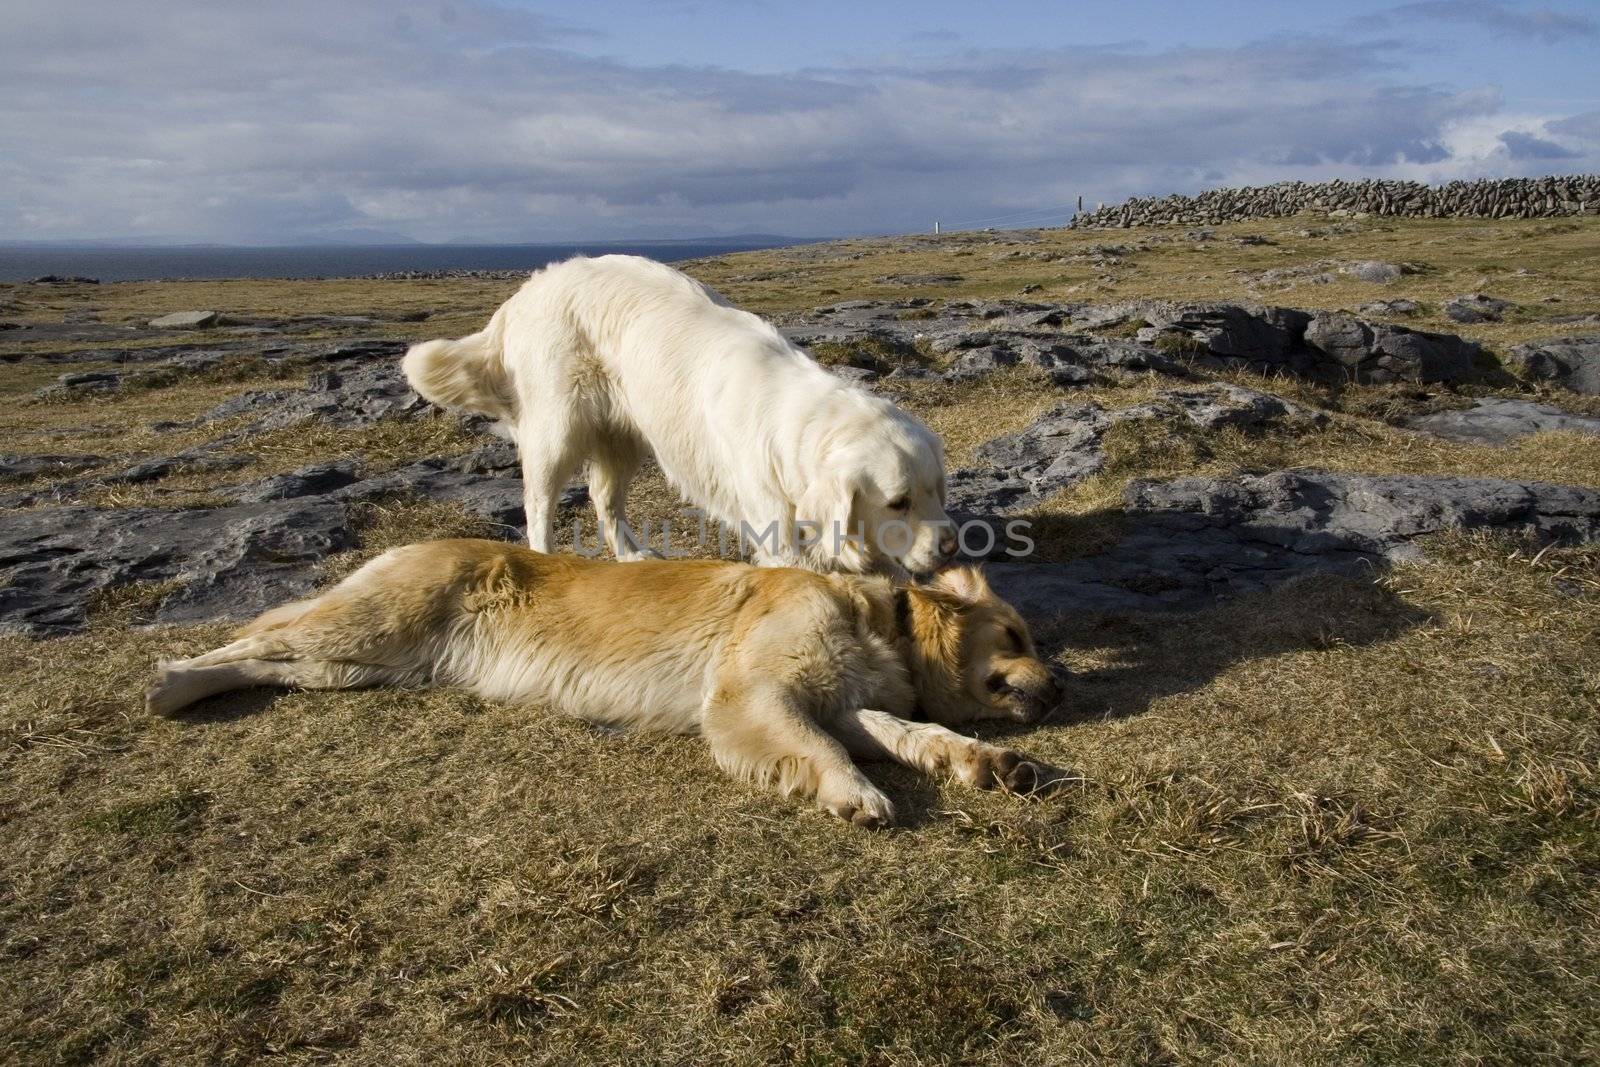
(1550, 269)
(449, 304)
(127, 424)
(1340, 822)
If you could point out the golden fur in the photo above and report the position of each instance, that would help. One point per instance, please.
(786, 673)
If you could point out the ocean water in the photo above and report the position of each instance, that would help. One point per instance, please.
(324, 261)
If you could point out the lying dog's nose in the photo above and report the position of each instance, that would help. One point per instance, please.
(948, 545)
(1058, 685)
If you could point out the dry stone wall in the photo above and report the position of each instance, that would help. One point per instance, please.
(1513, 198)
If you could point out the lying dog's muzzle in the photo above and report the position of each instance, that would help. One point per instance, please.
(1030, 703)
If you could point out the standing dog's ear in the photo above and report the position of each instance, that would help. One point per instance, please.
(830, 503)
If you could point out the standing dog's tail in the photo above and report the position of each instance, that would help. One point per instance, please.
(467, 374)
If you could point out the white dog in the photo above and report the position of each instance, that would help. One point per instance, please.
(612, 359)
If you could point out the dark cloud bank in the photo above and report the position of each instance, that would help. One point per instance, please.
(294, 120)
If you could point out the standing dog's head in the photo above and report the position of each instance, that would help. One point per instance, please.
(971, 655)
(883, 482)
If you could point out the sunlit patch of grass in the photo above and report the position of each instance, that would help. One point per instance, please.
(1301, 799)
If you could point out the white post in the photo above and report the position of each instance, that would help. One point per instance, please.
(936, 227)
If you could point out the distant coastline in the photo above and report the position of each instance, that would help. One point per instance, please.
(20, 263)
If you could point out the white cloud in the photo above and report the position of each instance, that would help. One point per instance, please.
(293, 119)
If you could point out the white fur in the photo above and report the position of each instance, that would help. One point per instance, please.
(612, 359)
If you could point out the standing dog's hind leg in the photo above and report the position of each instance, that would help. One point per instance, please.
(547, 466)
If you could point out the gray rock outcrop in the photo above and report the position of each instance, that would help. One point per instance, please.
(1569, 362)
(1498, 420)
(355, 392)
(976, 338)
(46, 465)
(227, 562)
(1475, 307)
(235, 561)
(186, 320)
(1065, 445)
(1372, 270)
(316, 479)
(1191, 542)
(1328, 346)
(1390, 307)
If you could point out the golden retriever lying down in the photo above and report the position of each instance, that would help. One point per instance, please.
(786, 673)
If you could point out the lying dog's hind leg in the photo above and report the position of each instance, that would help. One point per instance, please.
(179, 683)
(933, 749)
(763, 734)
(250, 646)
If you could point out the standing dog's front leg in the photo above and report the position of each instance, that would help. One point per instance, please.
(761, 731)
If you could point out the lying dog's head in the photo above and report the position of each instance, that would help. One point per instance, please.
(885, 485)
(972, 655)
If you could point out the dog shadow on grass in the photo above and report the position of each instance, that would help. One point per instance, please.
(1137, 660)
(1124, 657)
(231, 706)
(1125, 653)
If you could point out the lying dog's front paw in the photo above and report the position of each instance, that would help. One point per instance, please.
(860, 805)
(1032, 778)
(1007, 769)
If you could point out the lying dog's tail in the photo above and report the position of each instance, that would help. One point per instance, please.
(467, 374)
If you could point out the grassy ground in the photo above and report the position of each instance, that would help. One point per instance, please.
(1527, 262)
(1345, 821)
(1548, 268)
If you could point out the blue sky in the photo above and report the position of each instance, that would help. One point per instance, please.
(463, 119)
(1447, 43)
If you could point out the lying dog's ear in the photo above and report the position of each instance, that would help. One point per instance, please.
(966, 583)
